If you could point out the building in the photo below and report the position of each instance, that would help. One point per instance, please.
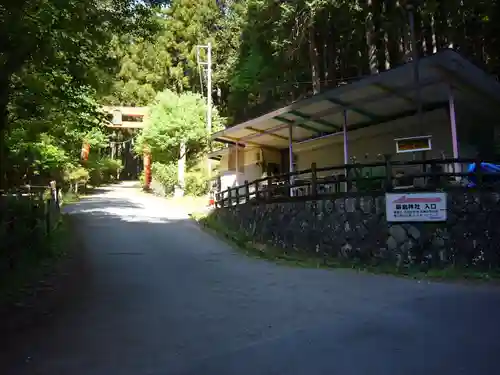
(363, 120)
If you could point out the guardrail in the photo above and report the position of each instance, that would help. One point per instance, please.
(361, 179)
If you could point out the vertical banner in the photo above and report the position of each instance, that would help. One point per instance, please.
(147, 170)
(85, 151)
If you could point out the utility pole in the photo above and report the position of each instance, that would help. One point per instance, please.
(208, 64)
(410, 6)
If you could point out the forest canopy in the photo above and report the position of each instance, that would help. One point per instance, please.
(60, 60)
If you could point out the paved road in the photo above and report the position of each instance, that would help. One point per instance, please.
(163, 297)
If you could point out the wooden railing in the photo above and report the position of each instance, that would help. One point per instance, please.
(360, 179)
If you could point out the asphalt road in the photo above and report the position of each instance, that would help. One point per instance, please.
(163, 297)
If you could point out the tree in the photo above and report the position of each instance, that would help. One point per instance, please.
(169, 61)
(54, 63)
(269, 53)
(177, 130)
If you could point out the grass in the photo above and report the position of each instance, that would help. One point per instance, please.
(302, 259)
(70, 197)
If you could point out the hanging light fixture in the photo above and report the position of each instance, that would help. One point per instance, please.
(117, 117)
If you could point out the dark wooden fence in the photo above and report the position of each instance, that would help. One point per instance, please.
(28, 216)
(361, 179)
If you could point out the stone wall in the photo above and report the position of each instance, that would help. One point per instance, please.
(356, 228)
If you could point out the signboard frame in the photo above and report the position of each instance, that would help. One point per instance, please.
(412, 207)
(427, 138)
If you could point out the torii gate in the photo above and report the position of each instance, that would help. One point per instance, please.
(129, 118)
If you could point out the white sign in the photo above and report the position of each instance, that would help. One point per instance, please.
(411, 207)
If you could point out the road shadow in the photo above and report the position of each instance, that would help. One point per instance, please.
(191, 307)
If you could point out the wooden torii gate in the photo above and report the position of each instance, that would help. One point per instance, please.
(127, 118)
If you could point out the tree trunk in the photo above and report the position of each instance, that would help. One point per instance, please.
(429, 35)
(181, 170)
(4, 101)
(371, 38)
(393, 33)
(314, 60)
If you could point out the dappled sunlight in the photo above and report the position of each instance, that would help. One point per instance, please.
(128, 214)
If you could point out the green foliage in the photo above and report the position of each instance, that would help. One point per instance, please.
(96, 138)
(196, 183)
(196, 179)
(77, 175)
(166, 175)
(55, 63)
(103, 170)
(176, 119)
(149, 66)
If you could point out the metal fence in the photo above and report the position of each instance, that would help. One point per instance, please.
(363, 179)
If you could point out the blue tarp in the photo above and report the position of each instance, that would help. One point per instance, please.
(485, 167)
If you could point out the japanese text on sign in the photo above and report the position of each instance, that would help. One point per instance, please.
(416, 207)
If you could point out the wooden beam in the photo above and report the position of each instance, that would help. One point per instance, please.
(263, 132)
(234, 141)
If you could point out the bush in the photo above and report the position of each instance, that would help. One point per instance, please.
(74, 176)
(104, 170)
(166, 175)
(142, 178)
(196, 183)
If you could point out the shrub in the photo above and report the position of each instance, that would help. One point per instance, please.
(103, 170)
(75, 176)
(196, 183)
(166, 175)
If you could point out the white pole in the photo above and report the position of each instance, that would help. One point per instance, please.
(209, 88)
(453, 124)
(346, 150)
(209, 101)
(237, 166)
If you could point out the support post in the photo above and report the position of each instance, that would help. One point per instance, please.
(388, 173)
(237, 166)
(346, 149)
(209, 102)
(453, 123)
(247, 191)
(314, 181)
(290, 157)
(453, 126)
(416, 68)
